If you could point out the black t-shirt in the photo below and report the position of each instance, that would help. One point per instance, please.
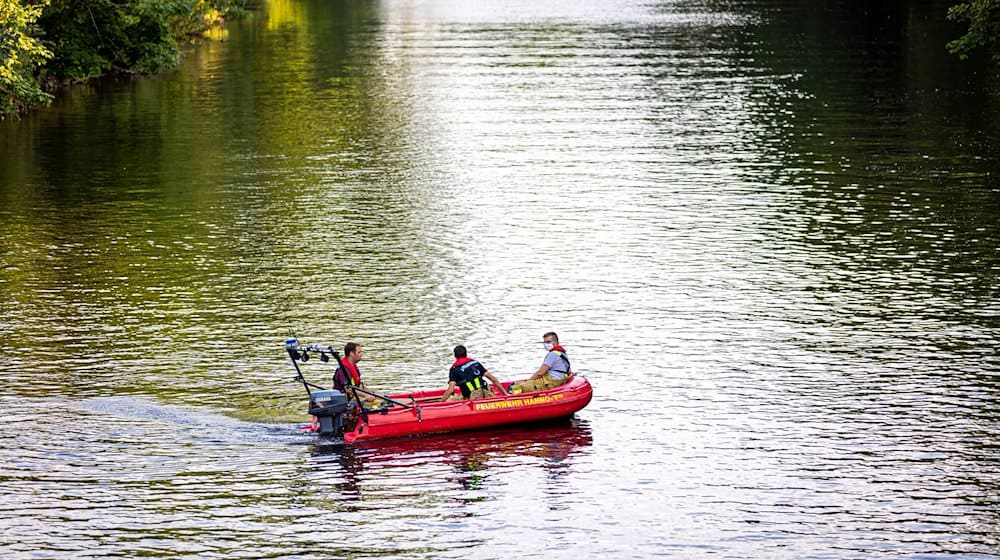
(469, 371)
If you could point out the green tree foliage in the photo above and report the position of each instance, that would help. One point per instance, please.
(47, 43)
(90, 38)
(984, 27)
(20, 56)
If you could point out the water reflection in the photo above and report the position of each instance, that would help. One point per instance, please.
(475, 461)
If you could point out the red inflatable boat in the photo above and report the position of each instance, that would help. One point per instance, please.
(422, 412)
(425, 414)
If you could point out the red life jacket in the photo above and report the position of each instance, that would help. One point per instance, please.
(353, 370)
(561, 352)
(461, 361)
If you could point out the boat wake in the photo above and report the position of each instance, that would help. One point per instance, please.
(203, 425)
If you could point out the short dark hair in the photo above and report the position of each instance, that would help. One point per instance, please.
(350, 347)
(552, 334)
(460, 351)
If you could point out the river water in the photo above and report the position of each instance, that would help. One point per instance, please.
(768, 233)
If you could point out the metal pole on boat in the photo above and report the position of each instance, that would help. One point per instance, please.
(292, 346)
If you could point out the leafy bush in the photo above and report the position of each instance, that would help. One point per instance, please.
(984, 27)
(20, 56)
(90, 38)
(83, 39)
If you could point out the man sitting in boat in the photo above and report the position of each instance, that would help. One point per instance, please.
(467, 374)
(553, 372)
(352, 376)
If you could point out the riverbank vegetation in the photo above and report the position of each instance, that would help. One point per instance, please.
(983, 17)
(46, 44)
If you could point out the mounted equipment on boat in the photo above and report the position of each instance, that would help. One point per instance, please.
(423, 412)
(335, 411)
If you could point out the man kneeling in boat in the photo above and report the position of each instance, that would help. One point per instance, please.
(553, 372)
(467, 374)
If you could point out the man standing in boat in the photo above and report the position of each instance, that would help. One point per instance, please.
(553, 372)
(467, 374)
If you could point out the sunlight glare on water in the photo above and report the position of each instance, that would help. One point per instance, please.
(766, 233)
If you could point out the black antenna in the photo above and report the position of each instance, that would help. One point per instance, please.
(291, 345)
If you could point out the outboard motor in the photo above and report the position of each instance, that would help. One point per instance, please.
(329, 406)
